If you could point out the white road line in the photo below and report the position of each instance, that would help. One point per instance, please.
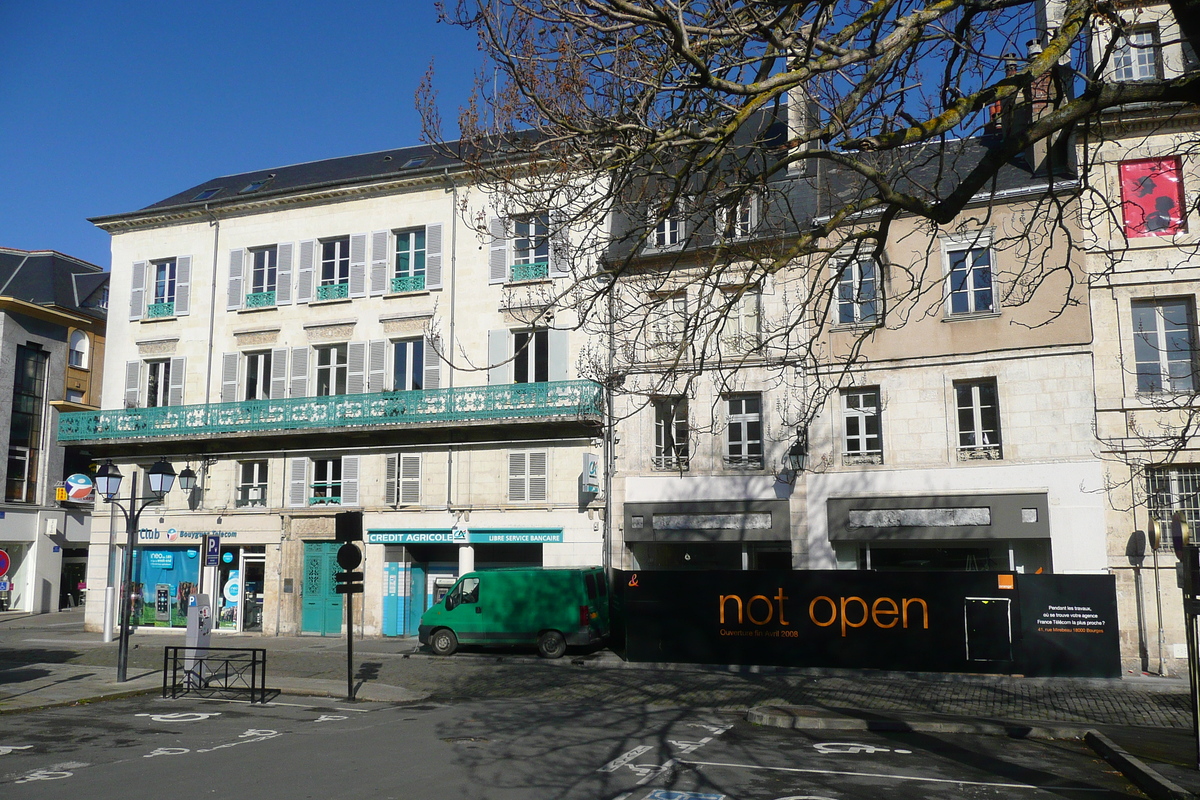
(622, 760)
(892, 777)
(355, 710)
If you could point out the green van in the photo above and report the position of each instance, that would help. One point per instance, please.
(551, 608)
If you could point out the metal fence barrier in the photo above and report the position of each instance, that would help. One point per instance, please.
(213, 671)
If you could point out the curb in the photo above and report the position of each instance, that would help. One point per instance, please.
(1137, 771)
(808, 718)
(94, 698)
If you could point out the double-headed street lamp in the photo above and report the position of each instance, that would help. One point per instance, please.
(108, 484)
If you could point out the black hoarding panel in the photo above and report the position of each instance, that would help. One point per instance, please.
(878, 620)
(1069, 625)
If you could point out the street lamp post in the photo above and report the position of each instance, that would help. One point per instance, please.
(108, 485)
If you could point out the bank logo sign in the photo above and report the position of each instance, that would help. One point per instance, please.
(474, 536)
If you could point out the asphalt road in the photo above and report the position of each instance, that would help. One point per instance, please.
(297, 748)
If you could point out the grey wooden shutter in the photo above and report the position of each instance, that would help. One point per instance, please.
(137, 291)
(304, 274)
(279, 373)
(349, 480)
(433, 256)
(497, 252)
(390, 471)
(377, 366)
(516, 477)
(379, 263)
(356, 367)
(560, 260)
(537, 473)
(410, 479)
(500, 368)
(178, 377)
(236, 294)
(358, 265)
(432, 379)
(229, 377)
(558, 354)
(298, 482)
(283, 274)
(183, 286)
(298, 386)
(133, 374)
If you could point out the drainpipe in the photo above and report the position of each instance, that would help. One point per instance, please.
(215, 224)
(450, 335)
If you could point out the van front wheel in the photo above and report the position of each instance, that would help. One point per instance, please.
(443, 642)
(551, 644)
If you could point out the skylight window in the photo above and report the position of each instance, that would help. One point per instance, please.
(415, 162)
(254, 186)
(206, 194)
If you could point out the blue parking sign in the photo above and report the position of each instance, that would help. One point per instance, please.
(212, 549)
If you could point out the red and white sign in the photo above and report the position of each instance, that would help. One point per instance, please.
(4, 563)
(1152, 197)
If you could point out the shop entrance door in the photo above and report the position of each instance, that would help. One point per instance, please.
(254, 570)
(322, 607)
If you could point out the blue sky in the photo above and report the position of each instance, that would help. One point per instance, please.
(111, 106)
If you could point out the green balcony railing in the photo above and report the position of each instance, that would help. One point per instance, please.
(260, 300)
(565, 400)
(535, 271)
(333, 291)
(409, 283)
(159, 310)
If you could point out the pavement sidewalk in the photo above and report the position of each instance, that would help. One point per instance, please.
(1140, 724)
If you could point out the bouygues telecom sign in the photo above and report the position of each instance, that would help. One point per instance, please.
(941, 622)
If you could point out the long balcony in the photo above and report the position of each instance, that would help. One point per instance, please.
(556, 402)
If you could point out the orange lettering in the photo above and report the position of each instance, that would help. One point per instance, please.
(877, 612)
(725, 597)
(924, 611)
(812, 611)
(845, 617)
(750, 609)
(781, 597)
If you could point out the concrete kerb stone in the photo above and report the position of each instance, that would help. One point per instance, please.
(1137, 771)
(812, 718)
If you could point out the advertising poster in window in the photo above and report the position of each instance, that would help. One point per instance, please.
(1152, 197)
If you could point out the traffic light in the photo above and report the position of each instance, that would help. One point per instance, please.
(349, 557)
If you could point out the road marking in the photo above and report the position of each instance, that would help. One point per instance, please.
(5, 749)
(249, 737)
(167, 751)
(687, 747)
(669, 794)
(622, 760)
(715, 730)
(918, 778)
(181, 717)
(850, 748)
(355, 710)
(649, 772)
(329, 718)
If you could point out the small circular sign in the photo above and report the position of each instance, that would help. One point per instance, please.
(227, 558)
(79, 487)
(349, 556)
(232, 590)
(191, 553)
(4, 562)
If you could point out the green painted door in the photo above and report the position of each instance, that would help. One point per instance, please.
(322, 612)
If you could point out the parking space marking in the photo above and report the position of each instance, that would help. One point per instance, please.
(622, 760)
(329, 718)
(917, 778)
(198, 716)
(851, 748)
(5, 749)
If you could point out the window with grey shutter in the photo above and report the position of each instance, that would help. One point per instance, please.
(183, 286)
(298, 386)
(377, 366)
(137, 291)
(229, 377)
(499, 369)
(537, 469)
(178, 376)
(349, 480)
(432, 378)
(133, 374)
(279, 373)
(390, 477)
(298, 482)
(356, 367)
(304, 274)
(379, 263)
(517, 484)
(433, 256)
(410, 479)
(236, 256)
(559, 355)
(283, 274)
(497, 252)
(358, 265)
(560, 263)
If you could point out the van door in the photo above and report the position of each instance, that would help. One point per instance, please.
(464, 611)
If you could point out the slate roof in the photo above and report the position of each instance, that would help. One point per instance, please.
(51, 279)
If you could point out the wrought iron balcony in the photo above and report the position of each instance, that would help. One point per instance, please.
(558, 400)
(333, 291)
(535, 271)
(159, 310)
(260, 300)
(409, 283)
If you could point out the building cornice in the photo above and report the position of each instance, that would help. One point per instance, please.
(51, 314)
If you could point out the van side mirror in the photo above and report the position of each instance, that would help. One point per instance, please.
(451, 602)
